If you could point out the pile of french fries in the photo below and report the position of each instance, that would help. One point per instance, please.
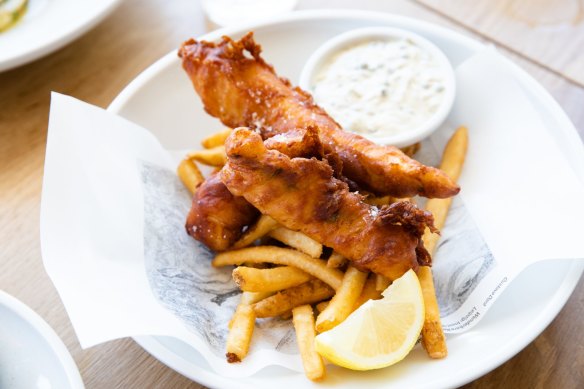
(299, 278)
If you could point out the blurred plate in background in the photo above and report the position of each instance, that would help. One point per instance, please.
(47, 26)
(31, 354)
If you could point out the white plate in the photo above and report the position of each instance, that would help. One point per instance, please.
(163, 100)
(47, 26)
(31, 354)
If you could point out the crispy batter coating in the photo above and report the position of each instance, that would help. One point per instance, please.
(303, 195)
(239, 88)
(306, 143)
(296, 143)
(217, 217)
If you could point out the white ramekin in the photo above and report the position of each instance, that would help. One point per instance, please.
(354, 37)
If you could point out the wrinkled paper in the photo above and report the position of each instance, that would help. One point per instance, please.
(114, 243)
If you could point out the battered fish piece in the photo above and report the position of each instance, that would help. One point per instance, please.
(303, 195)
(296, 143)
(306, 143)
(217, 217)
(239, 88)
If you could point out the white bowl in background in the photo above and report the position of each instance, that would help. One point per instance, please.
(31, 354)
(326, 53)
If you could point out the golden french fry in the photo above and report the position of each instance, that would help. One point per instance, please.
(369, 291)
(216, 139)
(303, 319)
(240, 333)
(190, 175)
(212, 157)
(264, 225)
(268, 280)
(250, 298)
(322, 306)
(433, 338)
(453, 157)
(336, 260)
(381, 282)
(281, 256)
(452, 161)
(455, 153)
(379, 201)
(310, 292)
(411, 149)
(297, 240)
(342, 302)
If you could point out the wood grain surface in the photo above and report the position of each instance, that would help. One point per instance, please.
(97, 66)
(548, 32)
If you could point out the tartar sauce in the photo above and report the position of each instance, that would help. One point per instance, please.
(381, 88)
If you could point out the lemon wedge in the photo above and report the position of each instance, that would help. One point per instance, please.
(379, 333)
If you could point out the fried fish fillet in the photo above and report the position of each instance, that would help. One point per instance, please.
(239, 88)
(303, 195)
(217, 217)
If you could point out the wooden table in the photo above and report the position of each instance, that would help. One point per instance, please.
(545, 40)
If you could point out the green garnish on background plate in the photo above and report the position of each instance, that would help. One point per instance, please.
(11, 11)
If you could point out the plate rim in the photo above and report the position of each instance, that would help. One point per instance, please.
(546, 316)
(56, 42)
(24, 312)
